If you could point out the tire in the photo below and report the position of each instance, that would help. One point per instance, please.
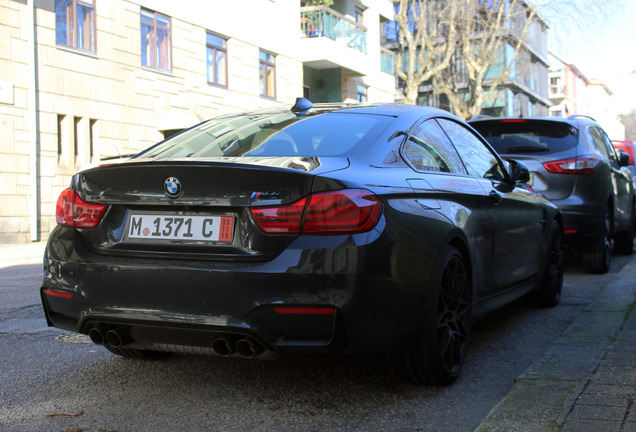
(597, 255)
(549, 292)
(442, 344)
(137, 354)
(624, 241)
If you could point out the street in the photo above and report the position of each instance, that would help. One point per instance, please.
(58, 381)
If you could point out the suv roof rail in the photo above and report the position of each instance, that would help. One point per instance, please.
(480, 117)
(575, 116)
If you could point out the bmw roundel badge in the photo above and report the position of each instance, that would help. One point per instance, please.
(172, 186)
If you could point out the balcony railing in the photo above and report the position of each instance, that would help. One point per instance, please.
(321, 21)
(387, 60)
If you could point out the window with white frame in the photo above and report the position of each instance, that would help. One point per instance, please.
(361, 93)
(75, 24)
(267, 74)
(155, 41)
(216, 59)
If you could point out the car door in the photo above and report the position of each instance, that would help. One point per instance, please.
(623, 186)
(441, 184)
(516, 216)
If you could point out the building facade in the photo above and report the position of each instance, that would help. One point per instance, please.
(81, 80)
(523, 93)
(571, 92)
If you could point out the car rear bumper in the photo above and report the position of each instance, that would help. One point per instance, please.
(580, 227)
(334, 298)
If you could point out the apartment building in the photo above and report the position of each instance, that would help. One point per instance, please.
(568, 86)
(572, 92)
(81, 80)
(523, 93)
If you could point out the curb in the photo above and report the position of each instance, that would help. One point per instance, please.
(558, 391)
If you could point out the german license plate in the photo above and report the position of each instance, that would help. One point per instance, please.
(178, 227)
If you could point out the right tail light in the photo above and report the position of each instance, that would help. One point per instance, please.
(347, 211)
(584, 165)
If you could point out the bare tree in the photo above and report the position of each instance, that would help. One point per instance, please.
(466, 49)
(491, 33)
(426, 31)
(453, 43)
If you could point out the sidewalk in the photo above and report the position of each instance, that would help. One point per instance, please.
(587, 379)
(21, 254)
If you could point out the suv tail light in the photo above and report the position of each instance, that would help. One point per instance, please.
(72, 211)
(347, 211)
(579, 165)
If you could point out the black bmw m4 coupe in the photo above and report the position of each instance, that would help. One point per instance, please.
(327, 228)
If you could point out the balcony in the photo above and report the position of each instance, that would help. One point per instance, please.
(321, 21)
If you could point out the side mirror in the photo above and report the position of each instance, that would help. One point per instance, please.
(623, 158)
(518, 171)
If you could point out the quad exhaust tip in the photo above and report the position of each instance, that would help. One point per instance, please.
(222, 346)
(248, 348)
(116, 338)
(96, 335)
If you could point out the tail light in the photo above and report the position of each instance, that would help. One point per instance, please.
(579, 165)
(347, 211)
(72, 211)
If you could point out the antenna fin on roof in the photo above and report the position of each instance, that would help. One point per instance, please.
(301, 106)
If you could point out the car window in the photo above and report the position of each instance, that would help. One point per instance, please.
(520, 136)
(279, 134)
(610, 147)
(428, 149)
(596, 137)
(479, 160)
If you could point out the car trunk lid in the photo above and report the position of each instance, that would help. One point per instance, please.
(195, 207)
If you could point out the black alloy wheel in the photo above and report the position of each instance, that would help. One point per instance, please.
(549, 292)
(443, 342)
(598, 254)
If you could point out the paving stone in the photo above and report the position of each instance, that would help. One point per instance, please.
(621, 361)
(629, 427)
(600, 399)
(609, 389)
(582, 425)
(598, 412)
(632, 413)
(615, 374)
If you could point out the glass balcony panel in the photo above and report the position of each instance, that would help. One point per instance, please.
(321, 21)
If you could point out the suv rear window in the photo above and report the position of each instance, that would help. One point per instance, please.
(527, 136)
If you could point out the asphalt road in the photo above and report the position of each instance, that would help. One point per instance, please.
(51, 380)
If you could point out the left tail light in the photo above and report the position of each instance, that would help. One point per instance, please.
(346, 211)
(72, 211)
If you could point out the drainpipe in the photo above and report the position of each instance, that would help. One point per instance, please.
(33, 125)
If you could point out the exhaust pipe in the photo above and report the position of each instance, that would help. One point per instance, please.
(222, 347)
(96, 335)
(117, 338)
(248, 348)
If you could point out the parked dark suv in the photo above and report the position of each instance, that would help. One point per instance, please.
(574, 164)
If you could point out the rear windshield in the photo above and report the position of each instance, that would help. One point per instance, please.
(527, 136)
(281, 134)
